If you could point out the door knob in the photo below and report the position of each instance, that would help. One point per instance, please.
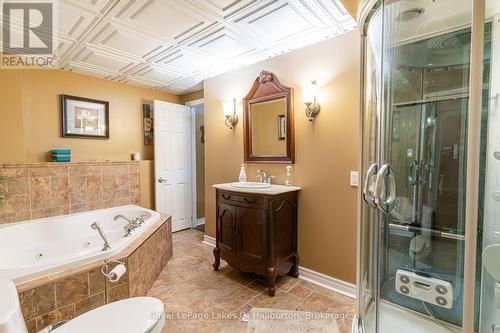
(162, 180)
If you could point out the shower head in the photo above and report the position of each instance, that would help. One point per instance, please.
(409, 14)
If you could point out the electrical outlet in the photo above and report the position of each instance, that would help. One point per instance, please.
(354, 178)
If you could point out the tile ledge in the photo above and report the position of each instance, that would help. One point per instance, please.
(62, 164)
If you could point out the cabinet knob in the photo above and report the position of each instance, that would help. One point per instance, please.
(226, 196)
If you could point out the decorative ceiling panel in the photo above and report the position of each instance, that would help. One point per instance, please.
(173, 45)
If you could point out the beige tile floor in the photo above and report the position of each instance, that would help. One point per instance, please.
(199, 299)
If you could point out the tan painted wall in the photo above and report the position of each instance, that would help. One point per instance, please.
(326, 150)
(37, 115)
(352, 6)
(12, 144)
(30, 122)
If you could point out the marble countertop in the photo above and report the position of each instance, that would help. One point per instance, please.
(273, 190)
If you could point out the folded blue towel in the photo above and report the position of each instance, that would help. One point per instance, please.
(61, 159)
(61, 151)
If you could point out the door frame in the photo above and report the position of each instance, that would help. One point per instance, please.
(192, 105)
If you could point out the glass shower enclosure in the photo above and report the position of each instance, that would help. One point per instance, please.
(415, 112)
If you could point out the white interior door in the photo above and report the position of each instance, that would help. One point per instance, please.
(173, 162)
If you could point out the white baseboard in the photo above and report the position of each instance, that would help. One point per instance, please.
(325, 281)
(209, 240)
(328, 282)
(200, 221)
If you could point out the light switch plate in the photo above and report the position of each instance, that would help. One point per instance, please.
(354, 178)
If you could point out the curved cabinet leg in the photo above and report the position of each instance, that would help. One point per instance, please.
(271, 280)
(217, 258)
(294, 270)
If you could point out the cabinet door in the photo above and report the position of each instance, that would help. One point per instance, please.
(251, 238)
(226, 226)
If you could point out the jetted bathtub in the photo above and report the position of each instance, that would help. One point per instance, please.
(34, 248)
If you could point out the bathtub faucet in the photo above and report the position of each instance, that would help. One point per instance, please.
(97, 227)
(130, 226)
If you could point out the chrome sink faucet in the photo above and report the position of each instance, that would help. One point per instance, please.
(130, 226)
(97, 227)
(263, 176)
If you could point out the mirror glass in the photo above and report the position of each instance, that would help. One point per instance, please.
(268, 130)
(268, 127)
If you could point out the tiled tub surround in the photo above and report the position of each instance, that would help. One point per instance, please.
(52, 244)
(38, 190)
(67, 294)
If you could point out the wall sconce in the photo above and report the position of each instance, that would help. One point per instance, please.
(230, 113)
(309, 99)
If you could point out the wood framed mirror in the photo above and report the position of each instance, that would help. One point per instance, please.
(268, 121)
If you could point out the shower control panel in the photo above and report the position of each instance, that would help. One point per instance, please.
(428, 289)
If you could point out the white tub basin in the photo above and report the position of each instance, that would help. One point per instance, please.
(30, 249)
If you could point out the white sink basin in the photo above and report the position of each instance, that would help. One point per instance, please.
(251, 185)
(255, 187)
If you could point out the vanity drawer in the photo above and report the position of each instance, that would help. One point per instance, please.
(243, 199)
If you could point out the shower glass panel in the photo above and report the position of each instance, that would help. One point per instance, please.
(425, 121)
(424, 232)
(415, 111)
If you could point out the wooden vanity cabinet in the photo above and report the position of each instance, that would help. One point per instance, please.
(257, 233)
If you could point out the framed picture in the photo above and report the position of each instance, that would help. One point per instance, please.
(147, 115)
(84, 117)
(281, 127)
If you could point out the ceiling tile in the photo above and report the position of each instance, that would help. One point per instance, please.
(279, 22)
(73, 21)
(169, 20)
(97, 6)
(108, 61)
(223, 44)
(114, 36)
(173, 45)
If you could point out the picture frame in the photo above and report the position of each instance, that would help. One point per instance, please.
(281, 127)
(84, 117)
(148, 124)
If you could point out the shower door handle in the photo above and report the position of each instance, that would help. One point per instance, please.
(413, 173)
(370, 200)
(389, 201)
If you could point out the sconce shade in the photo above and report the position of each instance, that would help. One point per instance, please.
(228, 107)
(309, 99)
(309, 93)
